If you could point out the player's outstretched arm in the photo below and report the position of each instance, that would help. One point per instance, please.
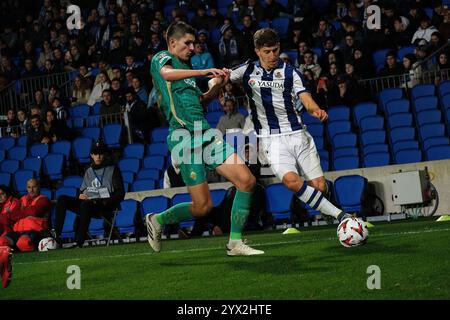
(312, 107)
(168, 73)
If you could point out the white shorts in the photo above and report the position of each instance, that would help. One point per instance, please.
(293, 152)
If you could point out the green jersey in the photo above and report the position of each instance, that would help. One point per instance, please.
(179, 99)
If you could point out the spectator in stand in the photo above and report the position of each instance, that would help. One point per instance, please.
(96, 93)
(55, 128)
(35, 110)
(215, 18)
(137, 114)
(273, 9)
(363, 64)
(444, 28)
(46, 54)
(108, 105)
(61, 111)
(30, 70)
(140, 90)
(80, 92)
(391, 68)
(310, 65)
(117, 73)
(201, 60)
(414, 70)
(155, 43)
(86, 76)
(324, 32)
(117, 92)
(255, 10)
(11, 123)
(232, 119)
(349, 45)
(36, 133)
(100, 194)
(436, 42)
(139, 47)
(229, 47)
(399, 36)
(350, 71)
(302, 48)
(9, 208)
(22, 116)
(30, 222)
(344, 93)
(424, 31)
(8, 69)
(236, 9)
(247, 32)
(201, 19)
(129, 75)
(117, 53)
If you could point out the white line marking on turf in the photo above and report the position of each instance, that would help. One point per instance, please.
(223, 247)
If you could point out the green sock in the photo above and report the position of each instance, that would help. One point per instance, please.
(175, 214)
(239, 213)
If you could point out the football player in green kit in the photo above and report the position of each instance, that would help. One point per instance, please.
(193, 147)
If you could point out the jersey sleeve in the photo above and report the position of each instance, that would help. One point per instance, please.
(238, 73)
(159, 61)
(299, 82)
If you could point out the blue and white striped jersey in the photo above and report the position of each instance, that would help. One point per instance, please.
(271, 96)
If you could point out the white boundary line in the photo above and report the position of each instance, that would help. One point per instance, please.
(223, 247)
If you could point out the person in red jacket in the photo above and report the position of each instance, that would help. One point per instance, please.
(8, 206)
(30, 222)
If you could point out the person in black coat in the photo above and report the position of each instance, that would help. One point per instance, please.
(137, 114)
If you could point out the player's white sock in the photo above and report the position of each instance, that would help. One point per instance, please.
(316, 201)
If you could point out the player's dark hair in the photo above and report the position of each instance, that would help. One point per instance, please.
(265, 38)
(179, 29)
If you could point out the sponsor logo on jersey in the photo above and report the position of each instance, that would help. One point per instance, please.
(266, 84)
(190, 82)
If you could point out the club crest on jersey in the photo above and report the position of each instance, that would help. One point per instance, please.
(278, 74)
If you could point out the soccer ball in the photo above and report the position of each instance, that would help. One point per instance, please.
(47, 244)
(352, 232)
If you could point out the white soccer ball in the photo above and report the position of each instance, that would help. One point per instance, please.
(47, 244)
(352, 232)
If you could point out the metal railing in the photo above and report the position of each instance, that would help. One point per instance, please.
(20, 93)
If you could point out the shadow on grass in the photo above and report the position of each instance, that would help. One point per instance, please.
(371, 248)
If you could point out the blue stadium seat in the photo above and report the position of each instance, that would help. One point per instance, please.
(403, 119)
(96, 228)
(111, 134)
(444, 88)
(371, 123)
(62, 146)
(347, 151)
(66, 191)
(404, 51)
(154, 204)
(405, 145)
(125, 216)
(421, 90)
(81, 148)
(2, 155)
(438, 153)
(281, 25)
(319, 142)
(96, 108)
(217, 196)
(349, 192)
(68, 228)
(346, 163)
(316, 130)
(428, 116)
(17, 153)
(292, 54)
(436, 141)
(93, 121)
(39, 150)
(425, 103)
(91, 132)
(325, 164)
(362, 110)
(278, 201)
(79, 111)
(73, 181)
(408, 156)
(33, 164)
(342, 140)
(134, 150)
(159, 135)
(432, 130)
(20, 180)
(22, 141)
(126, 186)
(376, 159)
(402, 133)
(215, 35)
(129, 164)
(128, 176)
(338, 113)
(375, 148)
(388, 95)
(158, 149)
(213, 117)
(53, 165)
(148, 174)
(214, 106)
(397, 106)
(9, 166)
(373, 137)
(5, 179)
(143, 185)
(47, 192)
(7, 143)
(445, 102)
(154, 162)
(309, 119)
(379, 56)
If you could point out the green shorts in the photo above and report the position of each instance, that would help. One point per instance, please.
(194, 153)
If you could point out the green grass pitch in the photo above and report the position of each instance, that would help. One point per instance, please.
(413, 257)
